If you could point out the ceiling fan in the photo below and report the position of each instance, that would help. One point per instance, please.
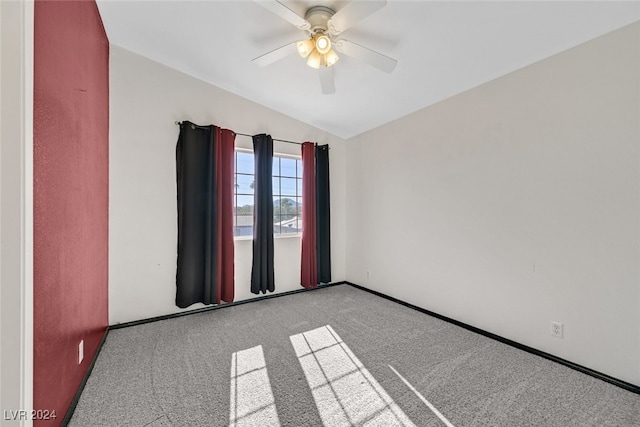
(323, 25)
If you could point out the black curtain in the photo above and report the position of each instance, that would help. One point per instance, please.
(262, 277)
(204, 172)
(196, 180)
(323, 214)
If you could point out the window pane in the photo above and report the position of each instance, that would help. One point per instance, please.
(244, 201)
(243, 220)
(287, 194)
(288, 186)
(287, 208)
(276, 225)
(244, 226)
(299, 205)
(276, 206)
(244, 184)
(288, 167)
(289, 228)
(245, 162)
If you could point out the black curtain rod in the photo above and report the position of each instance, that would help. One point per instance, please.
(244, 134)
(281, 140)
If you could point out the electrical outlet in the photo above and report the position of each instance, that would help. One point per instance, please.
(80, 351)
(556, 329)
(368, 275)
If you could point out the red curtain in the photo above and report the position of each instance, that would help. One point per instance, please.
(225, 145)
(309, 269)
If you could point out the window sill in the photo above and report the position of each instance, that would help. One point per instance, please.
(277, 236)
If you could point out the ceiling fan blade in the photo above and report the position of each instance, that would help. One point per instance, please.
(285, 13)
(275, 55)
(352, 13)
(326, 80)
(371, 57)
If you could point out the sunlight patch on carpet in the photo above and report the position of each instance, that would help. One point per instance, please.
(344, 391)
(252, 402)
(422, 398)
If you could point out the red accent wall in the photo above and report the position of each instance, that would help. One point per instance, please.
(71, 195)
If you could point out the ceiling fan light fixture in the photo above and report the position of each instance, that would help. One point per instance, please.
(305, 47)
(315, 59)
(331, 58)
(323, 43)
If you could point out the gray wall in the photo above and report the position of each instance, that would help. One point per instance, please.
(146, 99)
(514, 204)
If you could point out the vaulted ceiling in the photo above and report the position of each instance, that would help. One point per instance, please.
(442, 47)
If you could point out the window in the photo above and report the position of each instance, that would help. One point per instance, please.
(287, 194)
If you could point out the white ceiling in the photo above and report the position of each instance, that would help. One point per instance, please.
(442, 48)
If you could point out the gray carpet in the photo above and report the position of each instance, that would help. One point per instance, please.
(323, 358)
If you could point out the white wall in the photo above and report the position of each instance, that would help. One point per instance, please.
(16, 208)
(146, 99)
(514, 204)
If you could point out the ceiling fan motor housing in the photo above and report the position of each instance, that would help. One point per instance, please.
(318, 16)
